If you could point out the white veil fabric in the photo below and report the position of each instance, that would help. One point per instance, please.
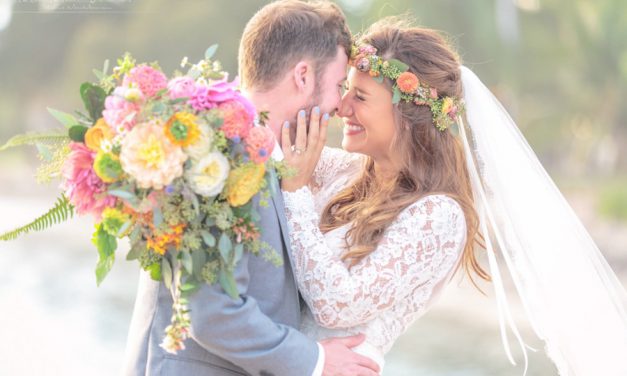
(572, 298)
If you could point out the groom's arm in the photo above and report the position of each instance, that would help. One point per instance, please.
(237, 330)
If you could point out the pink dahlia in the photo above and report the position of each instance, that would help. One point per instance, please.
(148, 79)
(181, 87)
(85, 190)
(237, 120)
(260, 144)
(120, 112)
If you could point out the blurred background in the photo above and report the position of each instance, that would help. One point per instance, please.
(558, 66)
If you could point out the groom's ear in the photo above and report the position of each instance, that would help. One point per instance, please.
(302, 75)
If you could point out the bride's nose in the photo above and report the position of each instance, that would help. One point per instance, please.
(345, 109)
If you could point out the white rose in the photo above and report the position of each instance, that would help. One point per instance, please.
(207, 175)
(202, 146)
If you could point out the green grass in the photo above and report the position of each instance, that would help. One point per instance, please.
(613, 200)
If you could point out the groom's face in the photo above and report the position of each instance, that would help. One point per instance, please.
(328, 92)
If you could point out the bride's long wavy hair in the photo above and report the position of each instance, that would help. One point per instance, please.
(433, 161)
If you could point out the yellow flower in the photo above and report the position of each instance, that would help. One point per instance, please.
(181, 129)
(244, 182)
(98, 133)
(113, 221)
(447, 105)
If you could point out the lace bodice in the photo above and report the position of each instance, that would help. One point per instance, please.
(386, 291)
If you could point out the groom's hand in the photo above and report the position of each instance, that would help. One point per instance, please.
(340, 360)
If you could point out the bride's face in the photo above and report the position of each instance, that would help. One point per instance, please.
(368, 116)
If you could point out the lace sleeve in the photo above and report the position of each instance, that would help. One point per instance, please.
(335, 163)
(417, 251)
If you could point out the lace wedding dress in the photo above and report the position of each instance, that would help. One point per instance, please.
(390, 288)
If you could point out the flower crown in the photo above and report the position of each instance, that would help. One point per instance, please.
(406, 85)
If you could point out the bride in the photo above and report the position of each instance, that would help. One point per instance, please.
(378, 229)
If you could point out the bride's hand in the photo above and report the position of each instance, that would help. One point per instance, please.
(304, 154)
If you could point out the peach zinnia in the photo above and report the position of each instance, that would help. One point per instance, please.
(407, 82)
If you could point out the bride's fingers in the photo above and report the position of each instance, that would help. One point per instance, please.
(314, 128)
(301, 131)
(286, 143)
(322, 137)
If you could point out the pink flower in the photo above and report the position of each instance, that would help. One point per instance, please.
(208, 97)
(119, 112)
(148, 79)
(181, 87)
(237, 120)
(260, 144)
(82, 186)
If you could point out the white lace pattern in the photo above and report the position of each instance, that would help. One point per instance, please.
(390, 288)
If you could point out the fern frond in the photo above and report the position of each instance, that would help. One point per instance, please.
(61, 211)
(51, 168)
(33, 138)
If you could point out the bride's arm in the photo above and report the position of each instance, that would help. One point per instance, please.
(418, 250)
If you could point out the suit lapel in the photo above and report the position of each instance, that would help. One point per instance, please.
(279, 208)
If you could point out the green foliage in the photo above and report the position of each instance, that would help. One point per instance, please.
(93, 98)
(50, 167)
(61, 212)
(106, 245)
(68, 120)
(77, 133)
(613, 201)
(52, 138)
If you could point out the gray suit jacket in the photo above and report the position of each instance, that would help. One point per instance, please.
(251, 335)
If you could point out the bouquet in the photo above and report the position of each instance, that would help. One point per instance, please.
(172, 165)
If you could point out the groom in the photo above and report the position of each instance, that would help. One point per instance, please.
(292, 56)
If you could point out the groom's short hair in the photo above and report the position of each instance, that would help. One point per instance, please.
(286, 31)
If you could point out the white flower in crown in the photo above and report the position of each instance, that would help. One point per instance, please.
(208, 175)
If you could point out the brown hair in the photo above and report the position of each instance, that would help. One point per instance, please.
(286, 31)
(433, 162)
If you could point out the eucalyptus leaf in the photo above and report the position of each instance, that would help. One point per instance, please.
(238, 253)
(136, 250)
(227, 281)
(126, 195)
(157, 216)
(189, 287)
(64, 118)
(166, 272)
(379, 79)
(225, 246)
(402, 67)
(209, 239)
(186, 260)
(199, 258)
(211, 51)
(124, 228)
(396, 97)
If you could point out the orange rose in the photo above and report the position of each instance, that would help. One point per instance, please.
(407, 82)
(96, 134)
